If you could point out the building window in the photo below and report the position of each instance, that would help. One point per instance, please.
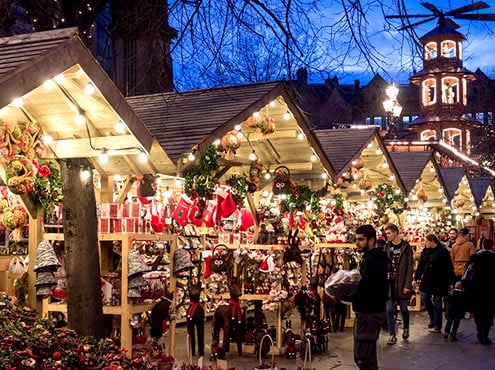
(430, 50)
(480, 116)
(448, 49)
(429, 91)
(450, 89)
(414, 118)
(377, 120)
(368, 120)
(406, 120)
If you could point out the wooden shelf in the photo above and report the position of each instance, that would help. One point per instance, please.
(126, 309)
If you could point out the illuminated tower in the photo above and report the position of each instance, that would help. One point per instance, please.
(443, 89)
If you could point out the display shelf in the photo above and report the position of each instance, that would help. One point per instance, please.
(127, 308)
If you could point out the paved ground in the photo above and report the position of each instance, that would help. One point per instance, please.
(423, 350)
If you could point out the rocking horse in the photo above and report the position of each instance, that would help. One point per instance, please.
(228, 318)
(196, 320)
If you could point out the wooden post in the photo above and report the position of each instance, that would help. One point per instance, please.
(35, 236)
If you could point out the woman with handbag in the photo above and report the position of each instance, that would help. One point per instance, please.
(479, 290)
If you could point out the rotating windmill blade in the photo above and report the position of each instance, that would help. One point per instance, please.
(444, 19)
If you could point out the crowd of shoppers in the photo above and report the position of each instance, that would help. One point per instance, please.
(387, 283)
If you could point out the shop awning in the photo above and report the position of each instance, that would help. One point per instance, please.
(459, 190)
(483, 195)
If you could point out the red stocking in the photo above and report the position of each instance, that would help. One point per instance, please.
(228, 205)
(210, 213)
(207, 264)
(182, 210)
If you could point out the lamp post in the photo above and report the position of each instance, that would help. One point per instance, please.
(393, 110)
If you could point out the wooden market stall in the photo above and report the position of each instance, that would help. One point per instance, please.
(52, 81)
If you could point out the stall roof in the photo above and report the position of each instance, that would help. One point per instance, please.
(185, 121)
(483, 195)
(344, 146)
(452, 177)
(410, 166)
(419, 171)
(28, 61)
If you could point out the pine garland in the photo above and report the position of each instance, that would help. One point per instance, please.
(387, 199)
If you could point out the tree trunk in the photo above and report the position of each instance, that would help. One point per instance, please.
(82, 266)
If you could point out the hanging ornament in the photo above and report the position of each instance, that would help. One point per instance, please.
(230, 142)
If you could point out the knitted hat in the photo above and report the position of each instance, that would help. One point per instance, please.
(135, 264)
(45, 277)
(46, 258)
(182, 261)
(137, 281)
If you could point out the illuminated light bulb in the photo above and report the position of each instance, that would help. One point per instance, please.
(370, 145)
(267, 175)
(354, 163)
(252, 156)
(444, 200)
(89, 89)
(217, 142)
(47, 139)
(355, 176)
(103, 156)
(432, 169)
(143, 157)
(391, 178)
(397, 191)
(85, 174)
(239, 134)
(385, 165)
(300, 136)
(287, 116)
(414, 197)
(117, 177)
(191, 157)
(17, 102)
(378, 151)
(80, 119)
(48, 84)
(266, 193)
(256, 114)
(440, 190)
(362, 191)
(324, 175)
(272, 103)
(120, 127)
(59, 78)
(313, 158)
(237, 127)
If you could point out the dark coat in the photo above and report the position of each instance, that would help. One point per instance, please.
(456, 304)
(404, 277)
(372, 290)
(435, 270)
(481, 288)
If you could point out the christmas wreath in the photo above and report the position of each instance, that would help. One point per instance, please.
(239, 188)
(201, 180)
(387, 199)
(302, 199)
(47, 189)
(15, 219)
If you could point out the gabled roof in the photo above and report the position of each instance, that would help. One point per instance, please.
(479, 187)
(27, 61)
(410, 166)
(452, 177)
(179, 121)
(343, 146)
(182, 122)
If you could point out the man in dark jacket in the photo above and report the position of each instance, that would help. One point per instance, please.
(400, 255)
(435, 274)
(480, 290)
(368, 302)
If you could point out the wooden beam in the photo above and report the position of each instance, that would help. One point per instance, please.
(125, 189)
(81, 148)
(29, 204)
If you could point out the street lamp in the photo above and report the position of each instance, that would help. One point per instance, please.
(393, 110)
